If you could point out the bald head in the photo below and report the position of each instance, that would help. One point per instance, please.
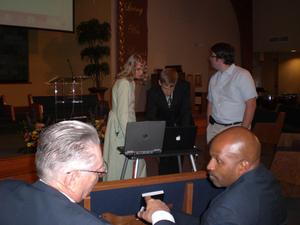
(234, 152)
(241, 142)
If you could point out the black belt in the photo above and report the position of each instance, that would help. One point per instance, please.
(212, 122)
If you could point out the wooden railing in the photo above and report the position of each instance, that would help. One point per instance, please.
(171, 178)
(18, 167)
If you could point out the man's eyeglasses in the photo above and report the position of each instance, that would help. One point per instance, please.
(99, 173)
(213, 56)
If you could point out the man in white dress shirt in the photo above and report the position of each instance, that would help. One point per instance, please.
(231, 93)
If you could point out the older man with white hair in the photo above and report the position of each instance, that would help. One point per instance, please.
(69, 163)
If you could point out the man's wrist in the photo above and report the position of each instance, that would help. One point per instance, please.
(246, 126)
(162, 215)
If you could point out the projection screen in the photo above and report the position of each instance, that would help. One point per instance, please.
(43, 14)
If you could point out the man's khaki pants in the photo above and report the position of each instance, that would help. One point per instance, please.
(213, 130)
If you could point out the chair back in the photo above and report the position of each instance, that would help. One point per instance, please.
(286, 167)
(269, 132)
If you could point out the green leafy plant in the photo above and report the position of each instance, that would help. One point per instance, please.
(94, 35)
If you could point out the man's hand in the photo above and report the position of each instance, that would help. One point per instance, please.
(249, 112)
(153, 205)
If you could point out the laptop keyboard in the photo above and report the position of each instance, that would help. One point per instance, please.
(148, 152)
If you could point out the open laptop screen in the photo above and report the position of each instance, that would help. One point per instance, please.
(144, 138)
(179, 138)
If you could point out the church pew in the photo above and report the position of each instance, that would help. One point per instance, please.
(190, 192)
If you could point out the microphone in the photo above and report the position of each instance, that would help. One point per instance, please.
(70, 66)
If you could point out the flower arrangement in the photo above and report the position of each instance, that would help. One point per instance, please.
(31, 135)
(98, 118)
(32, 128)
(100, 125)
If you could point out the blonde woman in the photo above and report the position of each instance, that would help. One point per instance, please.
(123, 111)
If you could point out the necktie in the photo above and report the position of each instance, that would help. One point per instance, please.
(169, 101)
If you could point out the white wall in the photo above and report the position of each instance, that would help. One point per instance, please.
(182, 32)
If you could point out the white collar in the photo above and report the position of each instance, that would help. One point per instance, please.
(230, 69)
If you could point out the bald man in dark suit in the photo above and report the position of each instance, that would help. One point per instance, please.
(252, 195)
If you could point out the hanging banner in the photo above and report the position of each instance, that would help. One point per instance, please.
(132, 30)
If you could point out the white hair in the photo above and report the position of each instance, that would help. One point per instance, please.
(63, 147)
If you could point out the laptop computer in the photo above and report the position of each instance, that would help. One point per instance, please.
(178, 139)
(144, 138)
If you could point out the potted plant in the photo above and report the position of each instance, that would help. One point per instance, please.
(94, 35)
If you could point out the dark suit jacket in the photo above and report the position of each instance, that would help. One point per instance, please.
(255, 199)
(179, 114)
(39, 204)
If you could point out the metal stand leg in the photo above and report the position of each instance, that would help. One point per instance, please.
(136, 168)
(179, 164)
(193, 163)
(124, 168)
